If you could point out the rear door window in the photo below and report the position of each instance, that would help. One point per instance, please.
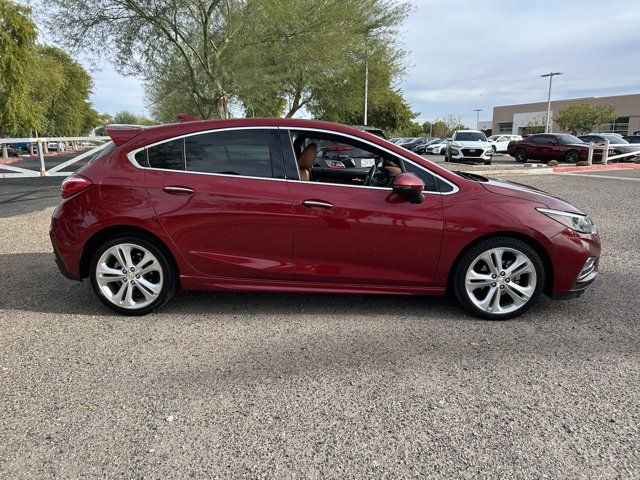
(167, 156)
(250, 152)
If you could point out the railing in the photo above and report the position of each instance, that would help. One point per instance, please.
(605, 152)
(41, 145)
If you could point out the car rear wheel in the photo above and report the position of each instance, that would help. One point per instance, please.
(521, 155)
(132, 276)
(572, 156)
(499, 278)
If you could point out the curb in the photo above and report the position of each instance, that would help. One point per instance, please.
(10, 161)
(588, 168)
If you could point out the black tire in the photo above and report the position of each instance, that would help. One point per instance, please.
(169, 273)
(464, 263)
(520, 155)
(488, 163)
(493, 147)
(572, 156)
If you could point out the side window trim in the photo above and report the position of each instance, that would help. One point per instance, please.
(275, 168)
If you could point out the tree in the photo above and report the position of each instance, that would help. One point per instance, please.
(125, 117)
(584, 117)
(341, 99)
(444, 128)
(61, 87)
(206, 56)
(18, 113)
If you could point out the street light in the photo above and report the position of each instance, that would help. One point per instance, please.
(550, 75)
(478, 110)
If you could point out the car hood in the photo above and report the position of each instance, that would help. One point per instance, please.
(518, 190)
(472, 144)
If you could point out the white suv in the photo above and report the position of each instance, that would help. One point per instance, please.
(469, 146)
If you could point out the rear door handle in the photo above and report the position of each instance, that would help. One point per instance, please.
(316, 203)
(178, 190)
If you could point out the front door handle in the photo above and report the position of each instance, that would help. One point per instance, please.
(178, 190)
(316, 203)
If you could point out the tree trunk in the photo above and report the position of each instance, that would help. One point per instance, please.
(5, 152)
(223, 106)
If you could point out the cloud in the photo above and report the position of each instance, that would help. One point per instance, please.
(469, 54)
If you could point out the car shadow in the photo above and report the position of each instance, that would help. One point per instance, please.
(32, 282)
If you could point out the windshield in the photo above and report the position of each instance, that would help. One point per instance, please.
(615, 139)
(471, 137)
(565, 139)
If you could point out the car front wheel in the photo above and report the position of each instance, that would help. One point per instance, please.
(521, 155)
(132, 276)
(498, 278)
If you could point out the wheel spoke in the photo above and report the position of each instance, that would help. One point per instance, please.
(150, 266)
(517, 299)
(524, 291)
(151, 288)
(104, 280)
(128, 297)
(104, 269)
(518, 267)
(477, 280)
(486, 301)
(487, 258)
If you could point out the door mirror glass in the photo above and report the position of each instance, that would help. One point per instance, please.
(410, 186)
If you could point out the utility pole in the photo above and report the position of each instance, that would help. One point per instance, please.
(550, 75)
(366, 80)
(478, 110)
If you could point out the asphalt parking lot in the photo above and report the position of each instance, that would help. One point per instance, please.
(247, 385)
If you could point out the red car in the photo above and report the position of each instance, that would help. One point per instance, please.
(242, 205)
(552, 146)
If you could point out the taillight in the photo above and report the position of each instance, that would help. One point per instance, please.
(335, 164)
(74, 184)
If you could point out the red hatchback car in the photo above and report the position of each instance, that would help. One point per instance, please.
(247, 205)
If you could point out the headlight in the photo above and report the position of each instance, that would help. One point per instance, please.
(456, 144)
(577, 223)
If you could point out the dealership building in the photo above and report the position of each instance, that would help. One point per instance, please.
(530, 117)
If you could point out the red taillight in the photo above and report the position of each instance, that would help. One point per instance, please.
(335, 164)
(339, 148)
(74, 184)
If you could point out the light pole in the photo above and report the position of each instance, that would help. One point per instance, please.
(478, 110)
(550, 75)
(366, 79)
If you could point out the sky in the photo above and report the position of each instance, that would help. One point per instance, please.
(468, 54)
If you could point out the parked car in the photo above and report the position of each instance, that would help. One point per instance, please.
(414, 142)
(422, 148)
(438, 147)
(469, 146)
(238, 205)
(499, 143)
(370, 129)
(632, 138)
(343, 156)
(552, 146)
(52, 146)
(621, 145)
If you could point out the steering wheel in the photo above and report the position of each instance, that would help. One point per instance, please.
(371, 174)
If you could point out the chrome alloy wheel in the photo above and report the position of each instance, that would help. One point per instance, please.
(129, 276)
(501, 280)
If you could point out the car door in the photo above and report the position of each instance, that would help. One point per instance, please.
(222, 197)
(363, 235)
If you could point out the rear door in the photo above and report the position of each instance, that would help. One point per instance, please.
(222, 198)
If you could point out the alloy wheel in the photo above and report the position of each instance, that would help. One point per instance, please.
(129, 276)
(501, 280)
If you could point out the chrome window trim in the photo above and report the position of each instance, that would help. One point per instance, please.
(132, 153)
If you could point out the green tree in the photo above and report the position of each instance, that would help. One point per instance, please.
(584, 117)
(207, 56)
(125, 117)
(61, 87)
(18, 113)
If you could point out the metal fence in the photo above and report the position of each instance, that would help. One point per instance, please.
(40, 144)
(606, 148)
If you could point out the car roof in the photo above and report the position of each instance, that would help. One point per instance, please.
(120, 134)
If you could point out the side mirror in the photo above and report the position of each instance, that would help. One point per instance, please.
(410, 186)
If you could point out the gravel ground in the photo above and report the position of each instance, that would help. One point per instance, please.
(288, 386)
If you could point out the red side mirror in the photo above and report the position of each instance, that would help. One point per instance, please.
(410, 186)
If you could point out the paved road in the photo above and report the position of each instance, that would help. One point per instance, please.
(237, 385)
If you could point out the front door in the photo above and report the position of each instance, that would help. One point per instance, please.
(219, 197)
(357, 234)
